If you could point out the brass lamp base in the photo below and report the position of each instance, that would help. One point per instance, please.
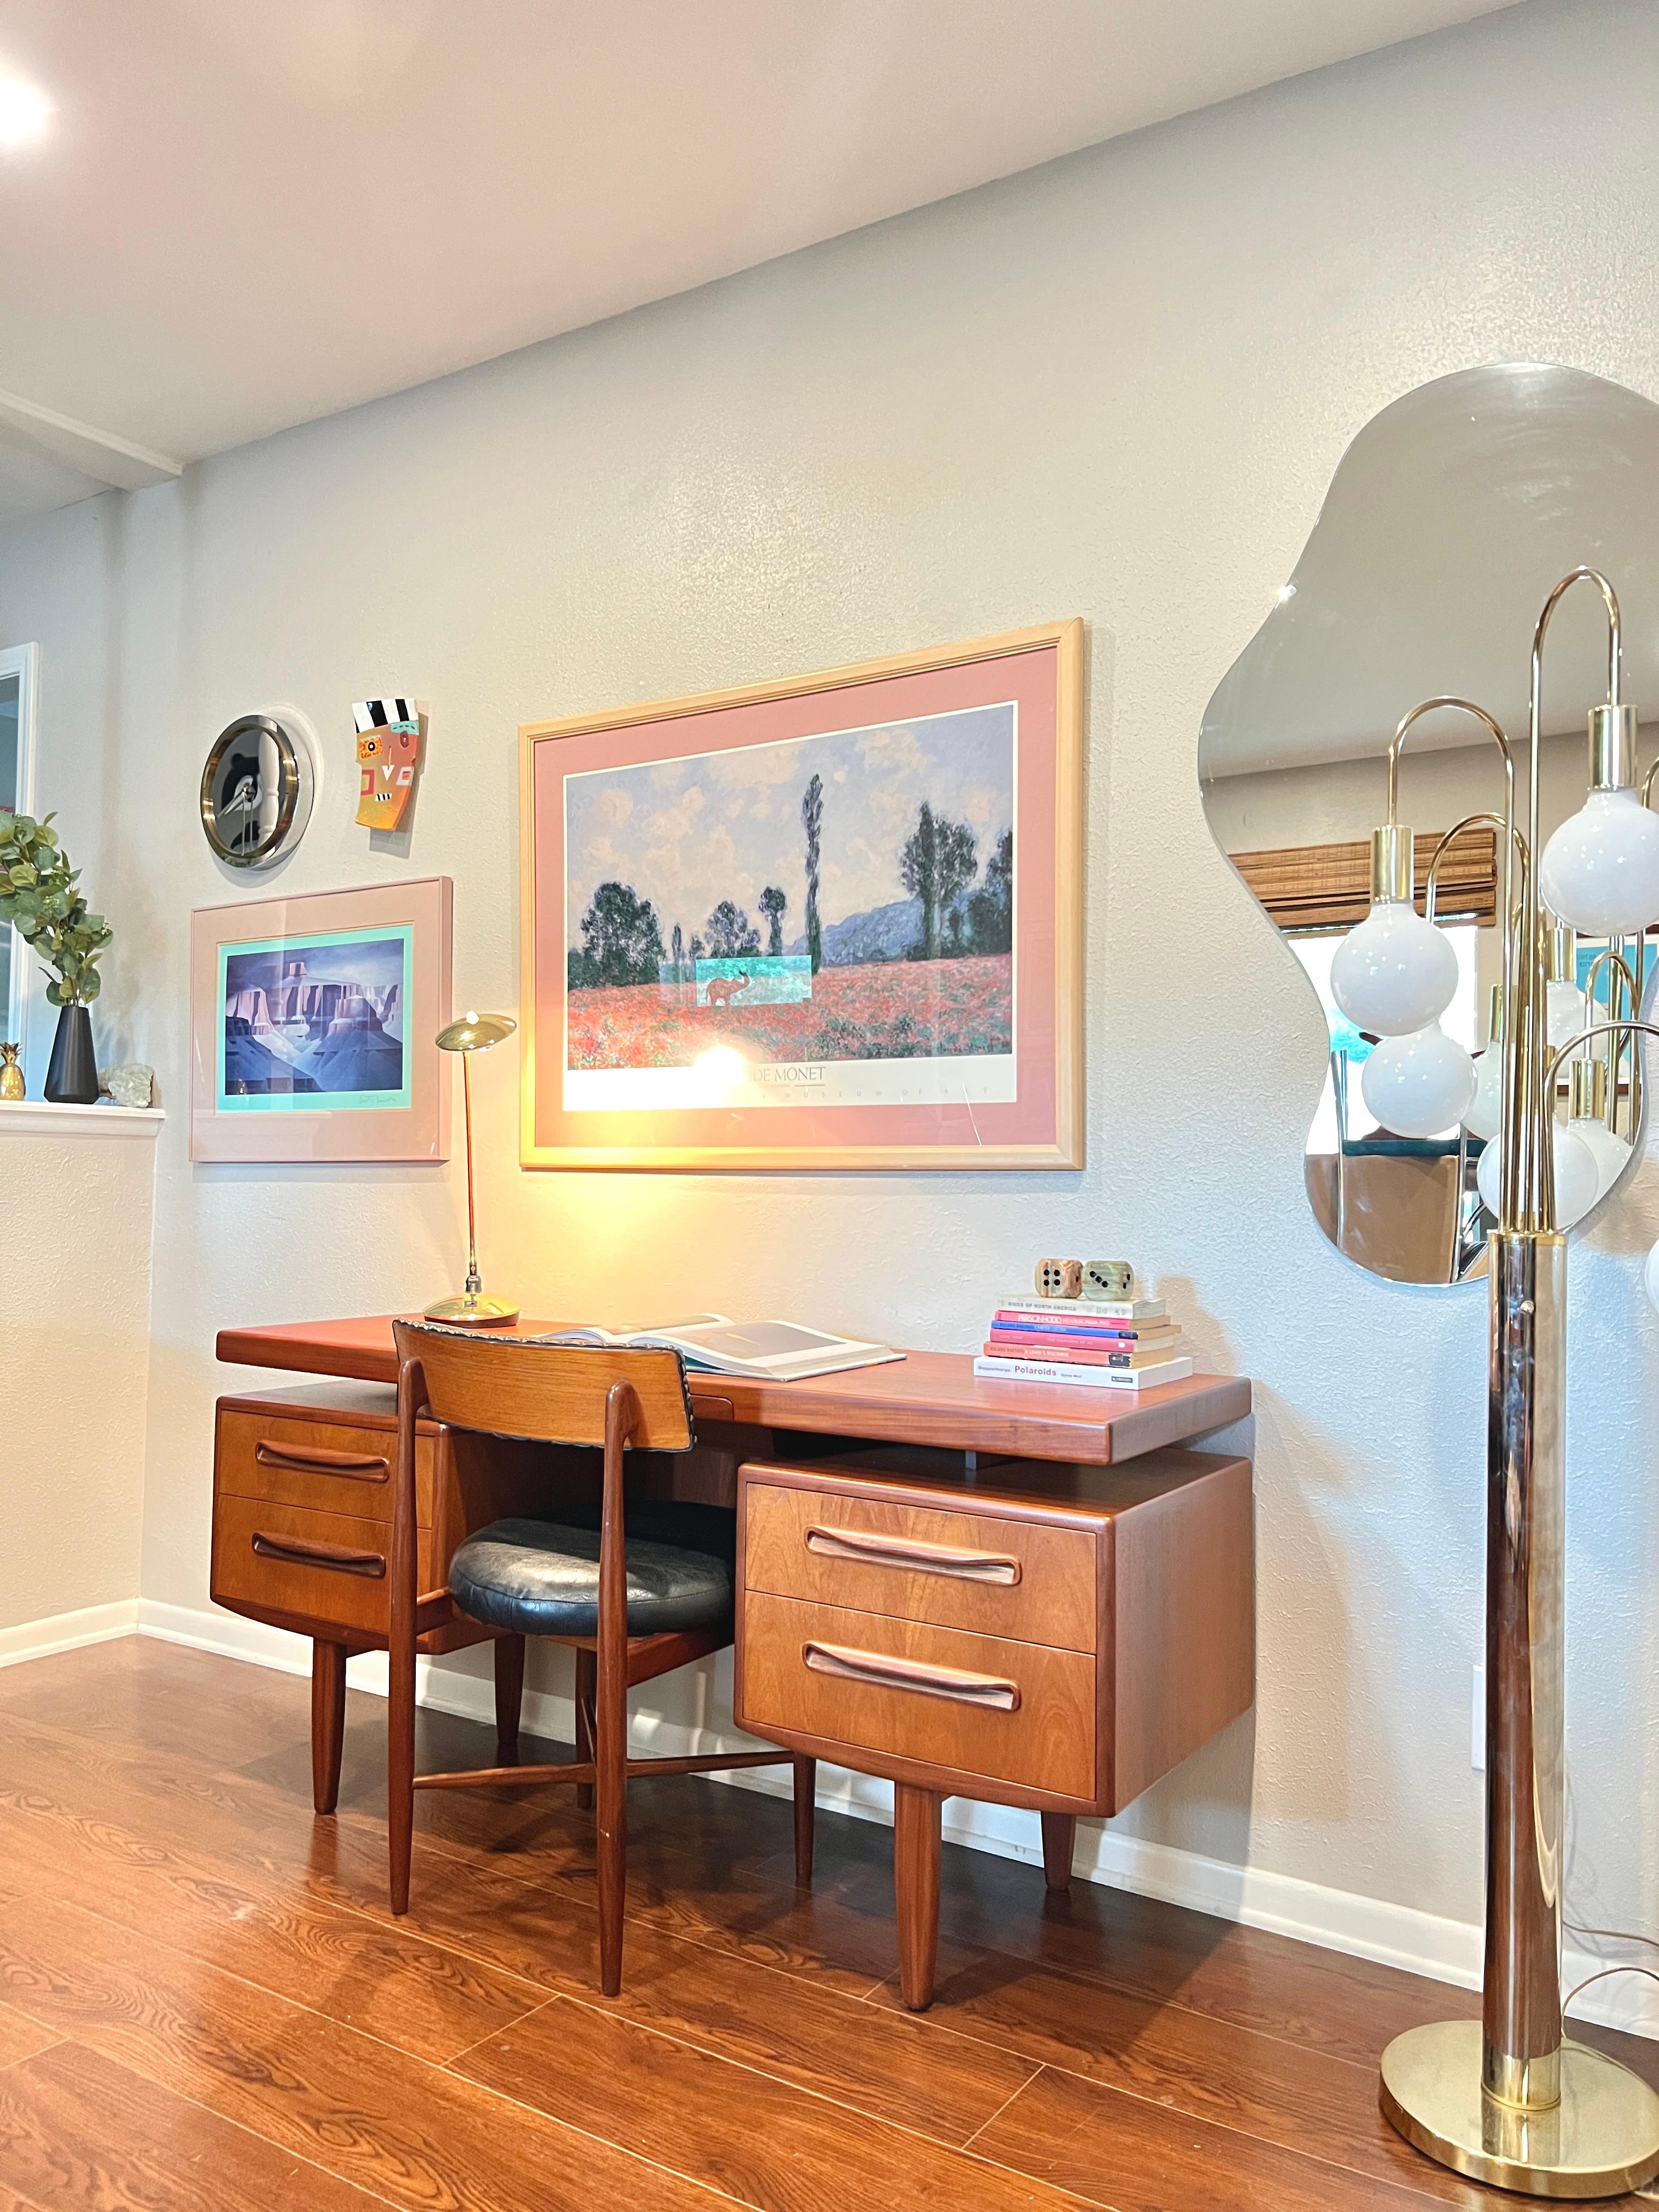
(473, 1309)
(1600, 2140)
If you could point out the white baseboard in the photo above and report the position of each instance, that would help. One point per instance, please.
(66, 1631)
(1334, 1920)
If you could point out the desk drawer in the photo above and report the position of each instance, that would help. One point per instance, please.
(326, 1566)
(975, 1704)
(320, 1465)
(958, 1570)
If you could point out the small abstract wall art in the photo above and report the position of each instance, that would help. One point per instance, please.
(312, 1022)
(388, 758)
(831, 922)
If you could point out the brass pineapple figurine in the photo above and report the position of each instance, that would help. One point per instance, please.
(11, 1076)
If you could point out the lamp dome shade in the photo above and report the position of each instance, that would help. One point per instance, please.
(1418, 1084)
(1601, 869)
(1393, 973)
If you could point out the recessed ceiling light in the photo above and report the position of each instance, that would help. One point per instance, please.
(23, 112)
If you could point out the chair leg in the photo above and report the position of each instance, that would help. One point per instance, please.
(400, 1769)
(587, 1676)
(806, 1776)
(611, 1828)
(509, 1698)
(328, 1685)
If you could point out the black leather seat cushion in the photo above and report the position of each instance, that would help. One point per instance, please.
(542, 1577)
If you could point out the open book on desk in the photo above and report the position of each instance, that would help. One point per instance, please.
(764, 1351)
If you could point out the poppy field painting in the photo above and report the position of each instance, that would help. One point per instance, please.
(830, 918)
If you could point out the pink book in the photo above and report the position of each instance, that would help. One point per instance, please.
(1090, 1355)
(1027, 1332)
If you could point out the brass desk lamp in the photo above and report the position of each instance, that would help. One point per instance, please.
(471, 1309)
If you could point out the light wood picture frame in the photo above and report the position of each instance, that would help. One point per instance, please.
(831, 921)
(312, 1021)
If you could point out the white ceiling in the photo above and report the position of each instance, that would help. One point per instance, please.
(246, 214)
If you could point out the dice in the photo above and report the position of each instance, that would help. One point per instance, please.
(1059, 1278)
(1108, 1279)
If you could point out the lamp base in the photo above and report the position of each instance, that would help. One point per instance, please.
(473, 1309)
(1600, 2141)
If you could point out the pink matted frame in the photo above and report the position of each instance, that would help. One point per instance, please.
(1041, 669)
(418, 1132)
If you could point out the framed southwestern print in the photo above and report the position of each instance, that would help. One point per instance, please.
(312, 1026)
(831, 922)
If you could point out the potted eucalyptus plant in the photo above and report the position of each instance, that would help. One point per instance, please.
(38, 897)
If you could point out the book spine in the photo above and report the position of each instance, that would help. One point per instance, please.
(1098, 1378)
(1052, 1333)
(1076, 1355)
(1084, 1307)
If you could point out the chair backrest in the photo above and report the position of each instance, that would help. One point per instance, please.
(552, 1392)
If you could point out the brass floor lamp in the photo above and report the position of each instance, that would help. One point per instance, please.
(1507, 2099)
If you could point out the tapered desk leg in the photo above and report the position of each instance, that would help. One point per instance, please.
(915, 1890)
(806, 1784)
(509, 1697)
(328, 1687)
(1059, 1842)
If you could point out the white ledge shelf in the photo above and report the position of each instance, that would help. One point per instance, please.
(37, 1117)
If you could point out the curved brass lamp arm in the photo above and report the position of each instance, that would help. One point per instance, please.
(1615, 656)
(1432, 706)
(1597, 1029)
(1647, 784)
(1526, 1183)
(1619, 972)
(1516, 845)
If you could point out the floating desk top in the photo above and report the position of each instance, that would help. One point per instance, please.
(925, 1398)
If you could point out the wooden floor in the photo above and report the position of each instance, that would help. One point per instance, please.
(205, 2005)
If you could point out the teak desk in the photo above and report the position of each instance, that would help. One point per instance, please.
(952, 1582)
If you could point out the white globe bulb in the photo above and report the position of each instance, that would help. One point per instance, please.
(1601, 869)
(1650, 1278)
(1610, 1152)
(1487, 1107)
(1576, 1180)
(1420, 1084)
(1394, 972)
(1564, 1012)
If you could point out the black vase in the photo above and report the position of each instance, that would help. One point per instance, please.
(72, 1076)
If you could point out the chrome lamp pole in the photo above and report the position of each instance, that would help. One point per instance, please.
(1506, 2099)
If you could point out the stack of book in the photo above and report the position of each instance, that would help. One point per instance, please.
(1121, 1344)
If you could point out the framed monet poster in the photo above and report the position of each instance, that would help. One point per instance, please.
(312, 1026)
(829, 922)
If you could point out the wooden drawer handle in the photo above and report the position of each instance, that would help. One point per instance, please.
(339, 1558)
(913, 1556)
(884, 1673)
(317, 1459)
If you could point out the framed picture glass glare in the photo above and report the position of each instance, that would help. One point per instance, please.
(833, 922)
(18, 681)
(313, 1026)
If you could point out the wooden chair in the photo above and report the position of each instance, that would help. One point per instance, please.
(634, 1601)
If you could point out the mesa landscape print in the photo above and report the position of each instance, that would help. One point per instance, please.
(831, 914)
(314, 1023)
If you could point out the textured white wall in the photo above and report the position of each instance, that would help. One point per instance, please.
(1116, 386)
(74, 1366)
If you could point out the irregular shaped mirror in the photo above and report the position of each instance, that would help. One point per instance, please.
(1451, 518)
